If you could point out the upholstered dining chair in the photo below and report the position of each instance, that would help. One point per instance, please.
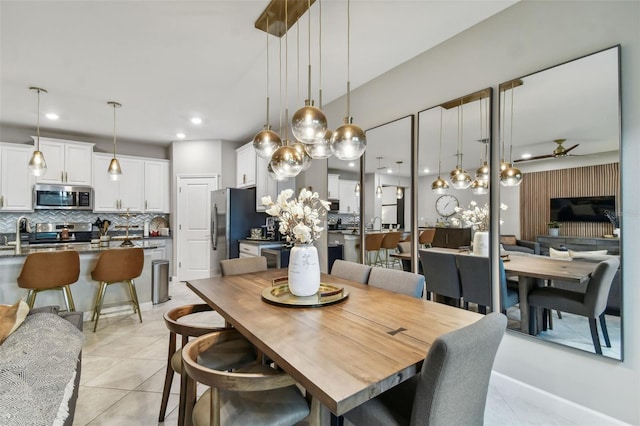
(441, 274)
(591, 303)
(255, 394)
(397, 281)
(243, 265)
(351, 271)
(475, 279)
(451, 388)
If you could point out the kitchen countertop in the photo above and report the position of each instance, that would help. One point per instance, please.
(9, 251)
(264, 242)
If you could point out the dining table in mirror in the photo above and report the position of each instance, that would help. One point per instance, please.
(560, 132)
(387, 192)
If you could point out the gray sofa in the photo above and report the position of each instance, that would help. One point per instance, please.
(511, 243)
(40, 369)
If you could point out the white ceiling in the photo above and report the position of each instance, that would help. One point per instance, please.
(167, 61)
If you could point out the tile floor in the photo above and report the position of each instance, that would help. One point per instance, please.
(123, 367)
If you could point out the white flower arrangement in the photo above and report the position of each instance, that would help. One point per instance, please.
(475, 217)
(299, 217)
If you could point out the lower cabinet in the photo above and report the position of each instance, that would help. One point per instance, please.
(452, 237)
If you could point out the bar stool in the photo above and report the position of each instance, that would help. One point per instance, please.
(390, 242)
(372, 243)
(120, 265)
(52, 270)
(426, 237)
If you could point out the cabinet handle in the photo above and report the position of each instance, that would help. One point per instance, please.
(244, 178)
(1, 201)
(61, 176)
(66, 177)
(145, 205)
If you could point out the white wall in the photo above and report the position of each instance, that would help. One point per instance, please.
(525, 38)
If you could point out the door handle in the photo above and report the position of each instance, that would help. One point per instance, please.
(214, 227)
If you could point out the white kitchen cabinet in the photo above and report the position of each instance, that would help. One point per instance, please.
(156, 186)
(68, 162)
(245, 166)
(333, 186)
(125, 193)
(389, 195)
(349, 200)
(16, 180)
(267, 186)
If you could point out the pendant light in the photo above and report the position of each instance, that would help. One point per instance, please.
(511, 176)
(114, 166)
(379, 187)
(357, 190)
(348, 141)
(482, 173)
(459, 177)
(399, 190)
(37, 164)
(267, 141)
(503, 163)
(321, 149)
(309, 123)
(439, 186)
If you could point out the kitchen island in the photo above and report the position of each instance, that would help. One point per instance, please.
(84, 290)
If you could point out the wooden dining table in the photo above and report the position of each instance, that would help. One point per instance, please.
(345, 353)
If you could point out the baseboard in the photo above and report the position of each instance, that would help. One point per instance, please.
(113, 311)
(552, 403)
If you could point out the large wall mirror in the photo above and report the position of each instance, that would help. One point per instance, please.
(561, 128)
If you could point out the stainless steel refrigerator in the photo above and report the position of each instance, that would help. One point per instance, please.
(233, 214)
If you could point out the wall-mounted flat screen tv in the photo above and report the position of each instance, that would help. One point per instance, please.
(582, 209)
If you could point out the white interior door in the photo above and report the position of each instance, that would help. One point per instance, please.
(194, 227)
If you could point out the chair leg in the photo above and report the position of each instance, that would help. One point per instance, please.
(31, 298)
(605, 333)
(593, 325)
(168, 378)
(134, 296)
(96, 302)
(98, 308)
(532, 320)
(68, 298)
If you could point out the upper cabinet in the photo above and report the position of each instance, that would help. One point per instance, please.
(333, 186)
(16, 181)
(246, 166)
(68, 162)
(125, 193)
(156, 186)
(349, 200)
(267, 186)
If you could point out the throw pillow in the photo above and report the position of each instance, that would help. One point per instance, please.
(591, 253)
(509, 240)
(11, 317)
(559, 254)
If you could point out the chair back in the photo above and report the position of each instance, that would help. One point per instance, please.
(372, 242)
(475, 279)
(172, 317)
(351, 271)
(426, 236)
(120, 264)
(391, 240)
(595, 298)
(50, 269)
(453, 384)
(441, 273)
(397, 281)
(404, 246)
(243, 265)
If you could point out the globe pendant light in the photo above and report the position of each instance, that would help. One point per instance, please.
(439, 186)
(306, 158)
(379, 187)
(479, 187)
(511, 176)
(482, 173)
(37, 164)
(459, 177)
(273, 175)
(114, 169)
(348, 141)
(399, 190)
(357, 190)
(266, 141)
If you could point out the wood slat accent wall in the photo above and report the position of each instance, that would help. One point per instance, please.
(538, 188)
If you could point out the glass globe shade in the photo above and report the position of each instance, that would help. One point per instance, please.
(114, 169)
(321, 149)
(286, 161)
(308, 123)
(399, 193)
(379, 191)
(503, 165)
(439, 186)
(482, 174)
(37, 164)
(460, 179)
(306, 159)
(511, 176)
(266, 142)
(479, 187)
(273, 175)
(348, 141)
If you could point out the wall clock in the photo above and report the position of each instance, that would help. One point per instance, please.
(446, 205)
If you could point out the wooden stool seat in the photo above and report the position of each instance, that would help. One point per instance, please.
(119, 265)
(51, 270)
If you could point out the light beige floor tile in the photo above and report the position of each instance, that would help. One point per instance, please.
(93, 401)
(136, 408)
(155, 383)
(93, 366)
(122, 346)
(127, 375)
(156, 350)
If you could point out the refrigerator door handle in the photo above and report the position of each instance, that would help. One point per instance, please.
(214, 228)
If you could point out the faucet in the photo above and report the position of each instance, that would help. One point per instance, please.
(28, 228)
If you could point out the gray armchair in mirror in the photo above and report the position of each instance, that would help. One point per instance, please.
(561, 128)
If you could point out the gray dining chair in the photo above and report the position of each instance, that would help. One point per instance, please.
(591, 303)
(441, 274)
(397, 281)
(243, 265)
(351, 271)
(475, 279)
(451, 388)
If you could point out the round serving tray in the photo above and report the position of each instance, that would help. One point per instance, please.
(280, 295)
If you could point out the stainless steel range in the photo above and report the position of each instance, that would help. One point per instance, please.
(61, 232)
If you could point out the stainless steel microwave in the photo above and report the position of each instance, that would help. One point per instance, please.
(62, 197)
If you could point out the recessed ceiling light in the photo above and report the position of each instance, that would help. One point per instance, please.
(352, 164)
(389, 171)
(426, 170)
(181, 135)
(52, 116)
(526, 156)
(196, 120)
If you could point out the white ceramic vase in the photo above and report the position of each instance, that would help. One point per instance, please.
(481, 243)
(304, 270)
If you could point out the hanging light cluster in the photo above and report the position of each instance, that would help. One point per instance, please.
(480, 186)
(459, 177)
(510, 175)
(312, 137)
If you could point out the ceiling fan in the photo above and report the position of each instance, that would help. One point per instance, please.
(560, 151)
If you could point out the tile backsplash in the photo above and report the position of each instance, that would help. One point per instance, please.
(346, 218)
